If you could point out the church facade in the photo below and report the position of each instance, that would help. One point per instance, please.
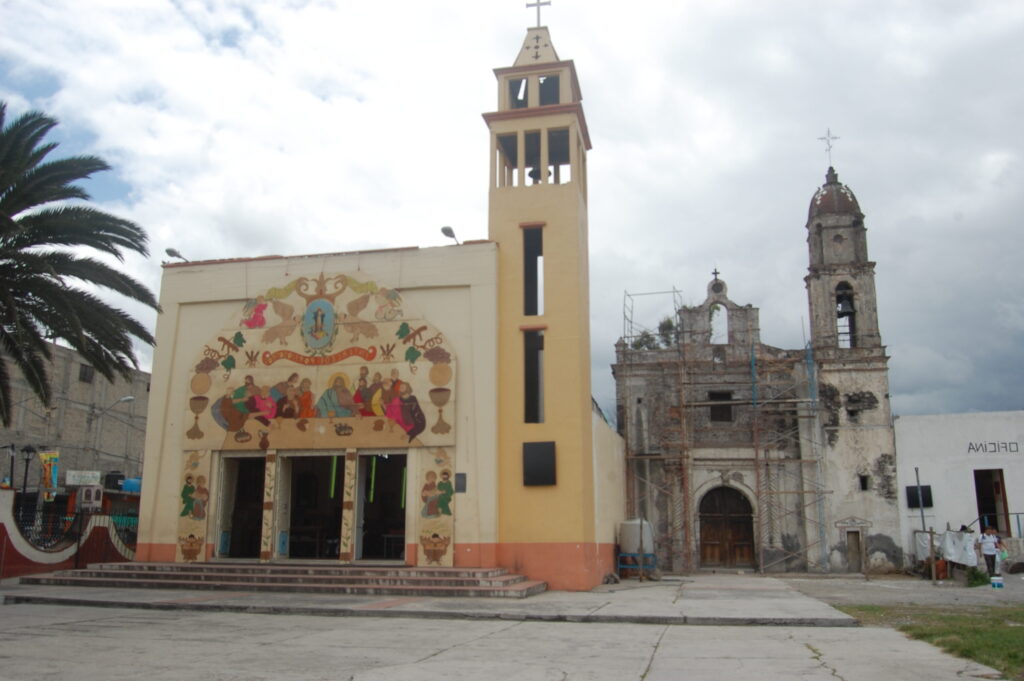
(744, 455)
(408, 406)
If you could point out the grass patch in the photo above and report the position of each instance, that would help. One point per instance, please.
(990, 635)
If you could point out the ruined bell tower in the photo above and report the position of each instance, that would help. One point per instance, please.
(853, 381)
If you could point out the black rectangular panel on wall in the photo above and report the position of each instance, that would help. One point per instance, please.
(926, 494)
(538, 463)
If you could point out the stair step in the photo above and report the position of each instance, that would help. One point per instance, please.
(344, 570)
(299, 577)
(232, 577)
(518, 589)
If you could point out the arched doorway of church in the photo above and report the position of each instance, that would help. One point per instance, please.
(726, 529)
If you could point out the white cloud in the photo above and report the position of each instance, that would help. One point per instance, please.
(252, 128)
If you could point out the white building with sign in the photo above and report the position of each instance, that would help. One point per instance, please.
(971, 469)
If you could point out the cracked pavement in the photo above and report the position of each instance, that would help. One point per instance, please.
(113, 644)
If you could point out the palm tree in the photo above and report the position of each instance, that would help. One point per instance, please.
(45, 244)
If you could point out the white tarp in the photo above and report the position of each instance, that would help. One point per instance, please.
(956, 547)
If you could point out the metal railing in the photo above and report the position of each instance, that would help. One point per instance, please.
(46, 528)
(54, 528)
(992, 520)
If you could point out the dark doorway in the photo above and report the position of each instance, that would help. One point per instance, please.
(726, 529)
(315, 525)
(247, 511)
(991, 497)
(382, 503)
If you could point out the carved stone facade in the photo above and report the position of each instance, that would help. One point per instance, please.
(745, 455)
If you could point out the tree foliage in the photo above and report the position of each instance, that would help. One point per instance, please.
(46, 240)
(667, 333)
(645, 341)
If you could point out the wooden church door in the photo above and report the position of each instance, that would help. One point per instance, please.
(726, 529)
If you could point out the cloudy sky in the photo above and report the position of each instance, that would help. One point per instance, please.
(243, 128)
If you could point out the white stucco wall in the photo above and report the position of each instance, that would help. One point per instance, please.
(947, 449)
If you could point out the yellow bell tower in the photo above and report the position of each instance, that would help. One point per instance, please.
(538, 217)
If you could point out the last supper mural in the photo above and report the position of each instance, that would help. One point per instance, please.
(322, 362)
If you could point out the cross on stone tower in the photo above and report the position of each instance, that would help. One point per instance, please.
(827, 139)
(538, 4)
(715, 273)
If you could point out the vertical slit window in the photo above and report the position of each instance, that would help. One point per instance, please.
(533, 271)
(534, 376)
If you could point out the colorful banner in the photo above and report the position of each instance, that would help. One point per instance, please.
(49, 462)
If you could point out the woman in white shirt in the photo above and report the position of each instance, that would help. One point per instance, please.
(990, 544)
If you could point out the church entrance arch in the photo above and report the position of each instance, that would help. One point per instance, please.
(726, 529)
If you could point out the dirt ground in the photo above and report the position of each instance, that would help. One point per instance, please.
(901, 589)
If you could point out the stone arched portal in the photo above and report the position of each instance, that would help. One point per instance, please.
(726, 529)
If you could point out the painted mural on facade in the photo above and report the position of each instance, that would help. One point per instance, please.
(195, 498)
(324, 362)
(435, 519)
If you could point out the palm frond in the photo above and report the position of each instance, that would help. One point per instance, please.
(42, 266)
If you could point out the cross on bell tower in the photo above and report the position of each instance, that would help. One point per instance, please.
(538, 4)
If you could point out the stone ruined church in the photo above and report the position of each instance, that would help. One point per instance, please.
(743, 455)
(404, 406)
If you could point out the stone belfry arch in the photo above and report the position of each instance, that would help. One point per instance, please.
(538, 216)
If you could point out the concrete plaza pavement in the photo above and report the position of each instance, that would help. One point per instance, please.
(696, 627)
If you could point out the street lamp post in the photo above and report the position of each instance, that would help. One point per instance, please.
(28, 452)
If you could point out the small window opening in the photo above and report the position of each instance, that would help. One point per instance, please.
(533, 271)
(533, 378)
(86, 373)
(865, 482)
(718, 358)
(719, 324)
(559, 166)
(720, 412)
(846, 315)
(548, 90)
(518, 94)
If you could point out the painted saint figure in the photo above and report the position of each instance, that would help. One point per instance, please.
(413, 420)
(336, 401)
(188, 501)
(446, 492)
(200, 497)
(429, 496)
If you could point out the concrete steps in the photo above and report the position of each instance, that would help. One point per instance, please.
(321, 579)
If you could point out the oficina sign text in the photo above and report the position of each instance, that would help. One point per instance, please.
(993, 447)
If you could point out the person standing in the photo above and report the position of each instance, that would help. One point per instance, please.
(990, 544)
